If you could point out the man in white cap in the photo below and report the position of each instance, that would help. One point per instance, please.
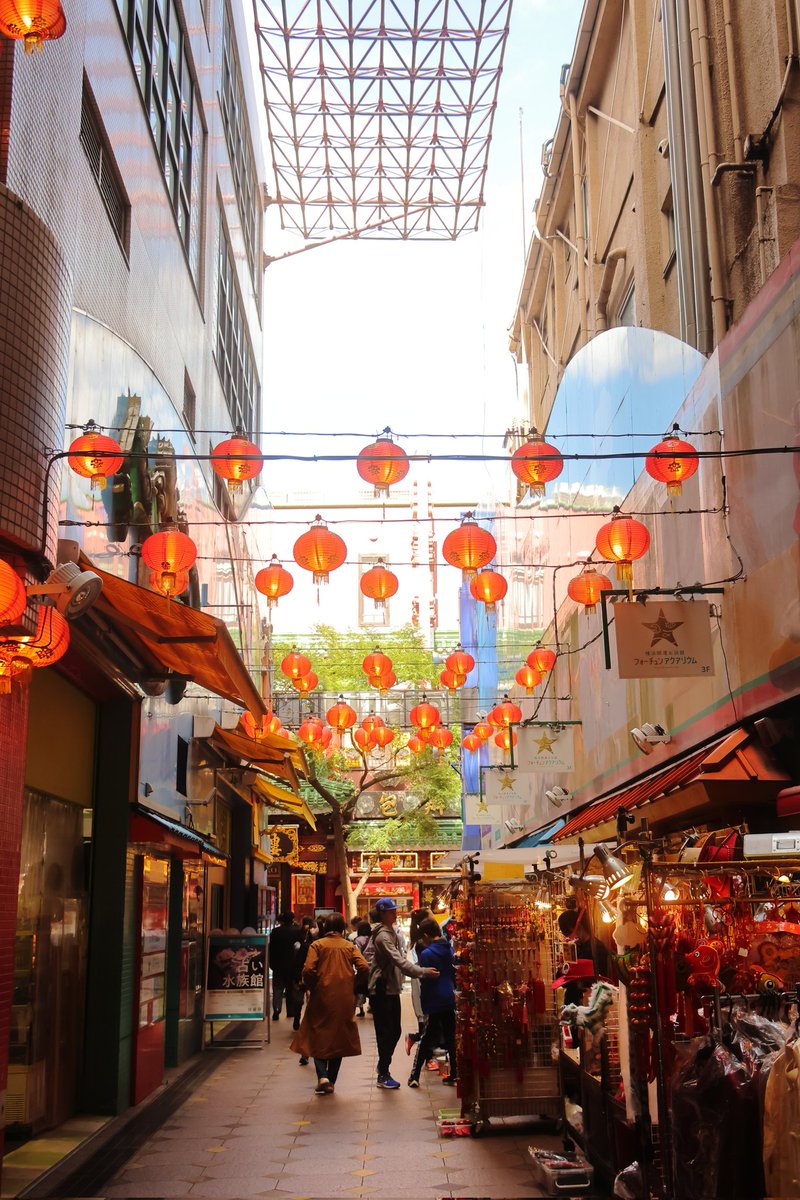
(389, 965)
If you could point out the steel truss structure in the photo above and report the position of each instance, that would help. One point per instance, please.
(380, 112)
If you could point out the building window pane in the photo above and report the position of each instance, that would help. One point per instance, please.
(235, 361)
(240, 150)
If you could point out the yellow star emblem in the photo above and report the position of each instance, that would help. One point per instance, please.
(506, 783)
(545, 744)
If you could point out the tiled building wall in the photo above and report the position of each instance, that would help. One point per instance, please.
(35, 317)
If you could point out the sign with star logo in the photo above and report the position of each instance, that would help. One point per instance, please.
(663, 638)
(545, 748)
(507, 786)
(478, 812)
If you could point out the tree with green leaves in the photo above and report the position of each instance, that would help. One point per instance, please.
(431, 778)
(337, 656)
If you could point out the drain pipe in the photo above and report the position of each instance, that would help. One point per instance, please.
(580, 225)
(677, 171)
(694, 183)
(730, 61)
(613, 258)
(709, 159)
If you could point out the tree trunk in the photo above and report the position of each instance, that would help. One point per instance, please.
(358, 889)
(340, 851)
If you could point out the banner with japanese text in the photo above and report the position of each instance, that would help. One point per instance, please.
(546, 748)
(236, 977)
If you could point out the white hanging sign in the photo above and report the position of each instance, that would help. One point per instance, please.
(545, 748)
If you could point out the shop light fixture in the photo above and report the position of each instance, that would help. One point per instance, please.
(607, 914)
(615, 872)
(649, 735)
(670, 893)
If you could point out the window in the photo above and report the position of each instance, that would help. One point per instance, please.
(181, 767)
(627, 311)
(189, 405)
(668, 232)
(235, 361)
(159, 50)
(240, 149)
(101, 162)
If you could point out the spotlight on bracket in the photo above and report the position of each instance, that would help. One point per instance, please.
(648, 736)
(73, 590)
(513, 825)
(558, 796)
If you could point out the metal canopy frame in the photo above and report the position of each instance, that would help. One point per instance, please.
(380, 112)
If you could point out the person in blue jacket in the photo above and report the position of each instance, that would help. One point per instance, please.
(437, 995)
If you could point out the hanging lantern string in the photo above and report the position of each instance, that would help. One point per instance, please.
(559, 437)
(573, 456)
(527, 514)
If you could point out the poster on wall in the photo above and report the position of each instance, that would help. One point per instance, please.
(305, 891)
(477, 812)
(663, 639)
(236, 977)
(545, 748)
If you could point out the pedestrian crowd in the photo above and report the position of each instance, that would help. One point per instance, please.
(325, 973)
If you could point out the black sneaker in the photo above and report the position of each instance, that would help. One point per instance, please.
(276, 1016)
(413, 1082)
(303, 1062)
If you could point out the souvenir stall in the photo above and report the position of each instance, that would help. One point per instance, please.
(506, 1011)
(679, 1035)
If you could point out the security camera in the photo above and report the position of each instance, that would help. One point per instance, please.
(74, 590)
(558, 796)
(663, 148)
(649, 736)
(513, 825)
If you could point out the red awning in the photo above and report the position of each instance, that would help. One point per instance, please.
(729, 759)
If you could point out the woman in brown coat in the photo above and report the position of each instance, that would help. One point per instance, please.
(335, 971)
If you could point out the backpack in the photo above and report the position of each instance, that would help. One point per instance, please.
(368, 948)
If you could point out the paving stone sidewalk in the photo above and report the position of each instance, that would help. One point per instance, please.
(255, 1128)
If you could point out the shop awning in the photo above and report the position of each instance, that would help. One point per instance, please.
(146, 825)
(687, 788)
(279, 797)
(162, 639)
(272, 754)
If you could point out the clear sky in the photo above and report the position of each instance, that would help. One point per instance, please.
(365, 334)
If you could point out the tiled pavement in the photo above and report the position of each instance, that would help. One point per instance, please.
(255, 1128)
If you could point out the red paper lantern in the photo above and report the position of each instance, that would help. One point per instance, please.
(295, 665)
(236, 460)
(319, 550)
(387, 866)
(505, 739)
(268, 723)
(506, 713)
(469, 547)
(93, 455)
(168, 554)
(488, 587)
(371, 722)
(379, 584)
(483, 730)
(452, 681)
(382, 464)
(441, 737)
(365, 741)
(460, 662)
(471, 742)
(13, 598)
(426, 735)
(527, 678)
(326, 737)
(45, 647)
(274, 581)
(622, 540)
(424, 715)
(587, 588)
(672, 471)
(306, 683)
(32, 21)
(416, 745)
(311, 732)
(341, 716)
(383, 735)
(376, 663)
(541, 659)
(536, 463)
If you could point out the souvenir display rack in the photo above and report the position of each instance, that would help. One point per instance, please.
(506, 1008)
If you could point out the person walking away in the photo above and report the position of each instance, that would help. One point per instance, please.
(389, 965)
(334, 971)
(298, 962)
(438, 1001)
(283, 941)
(362, 941)
(353, 931)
